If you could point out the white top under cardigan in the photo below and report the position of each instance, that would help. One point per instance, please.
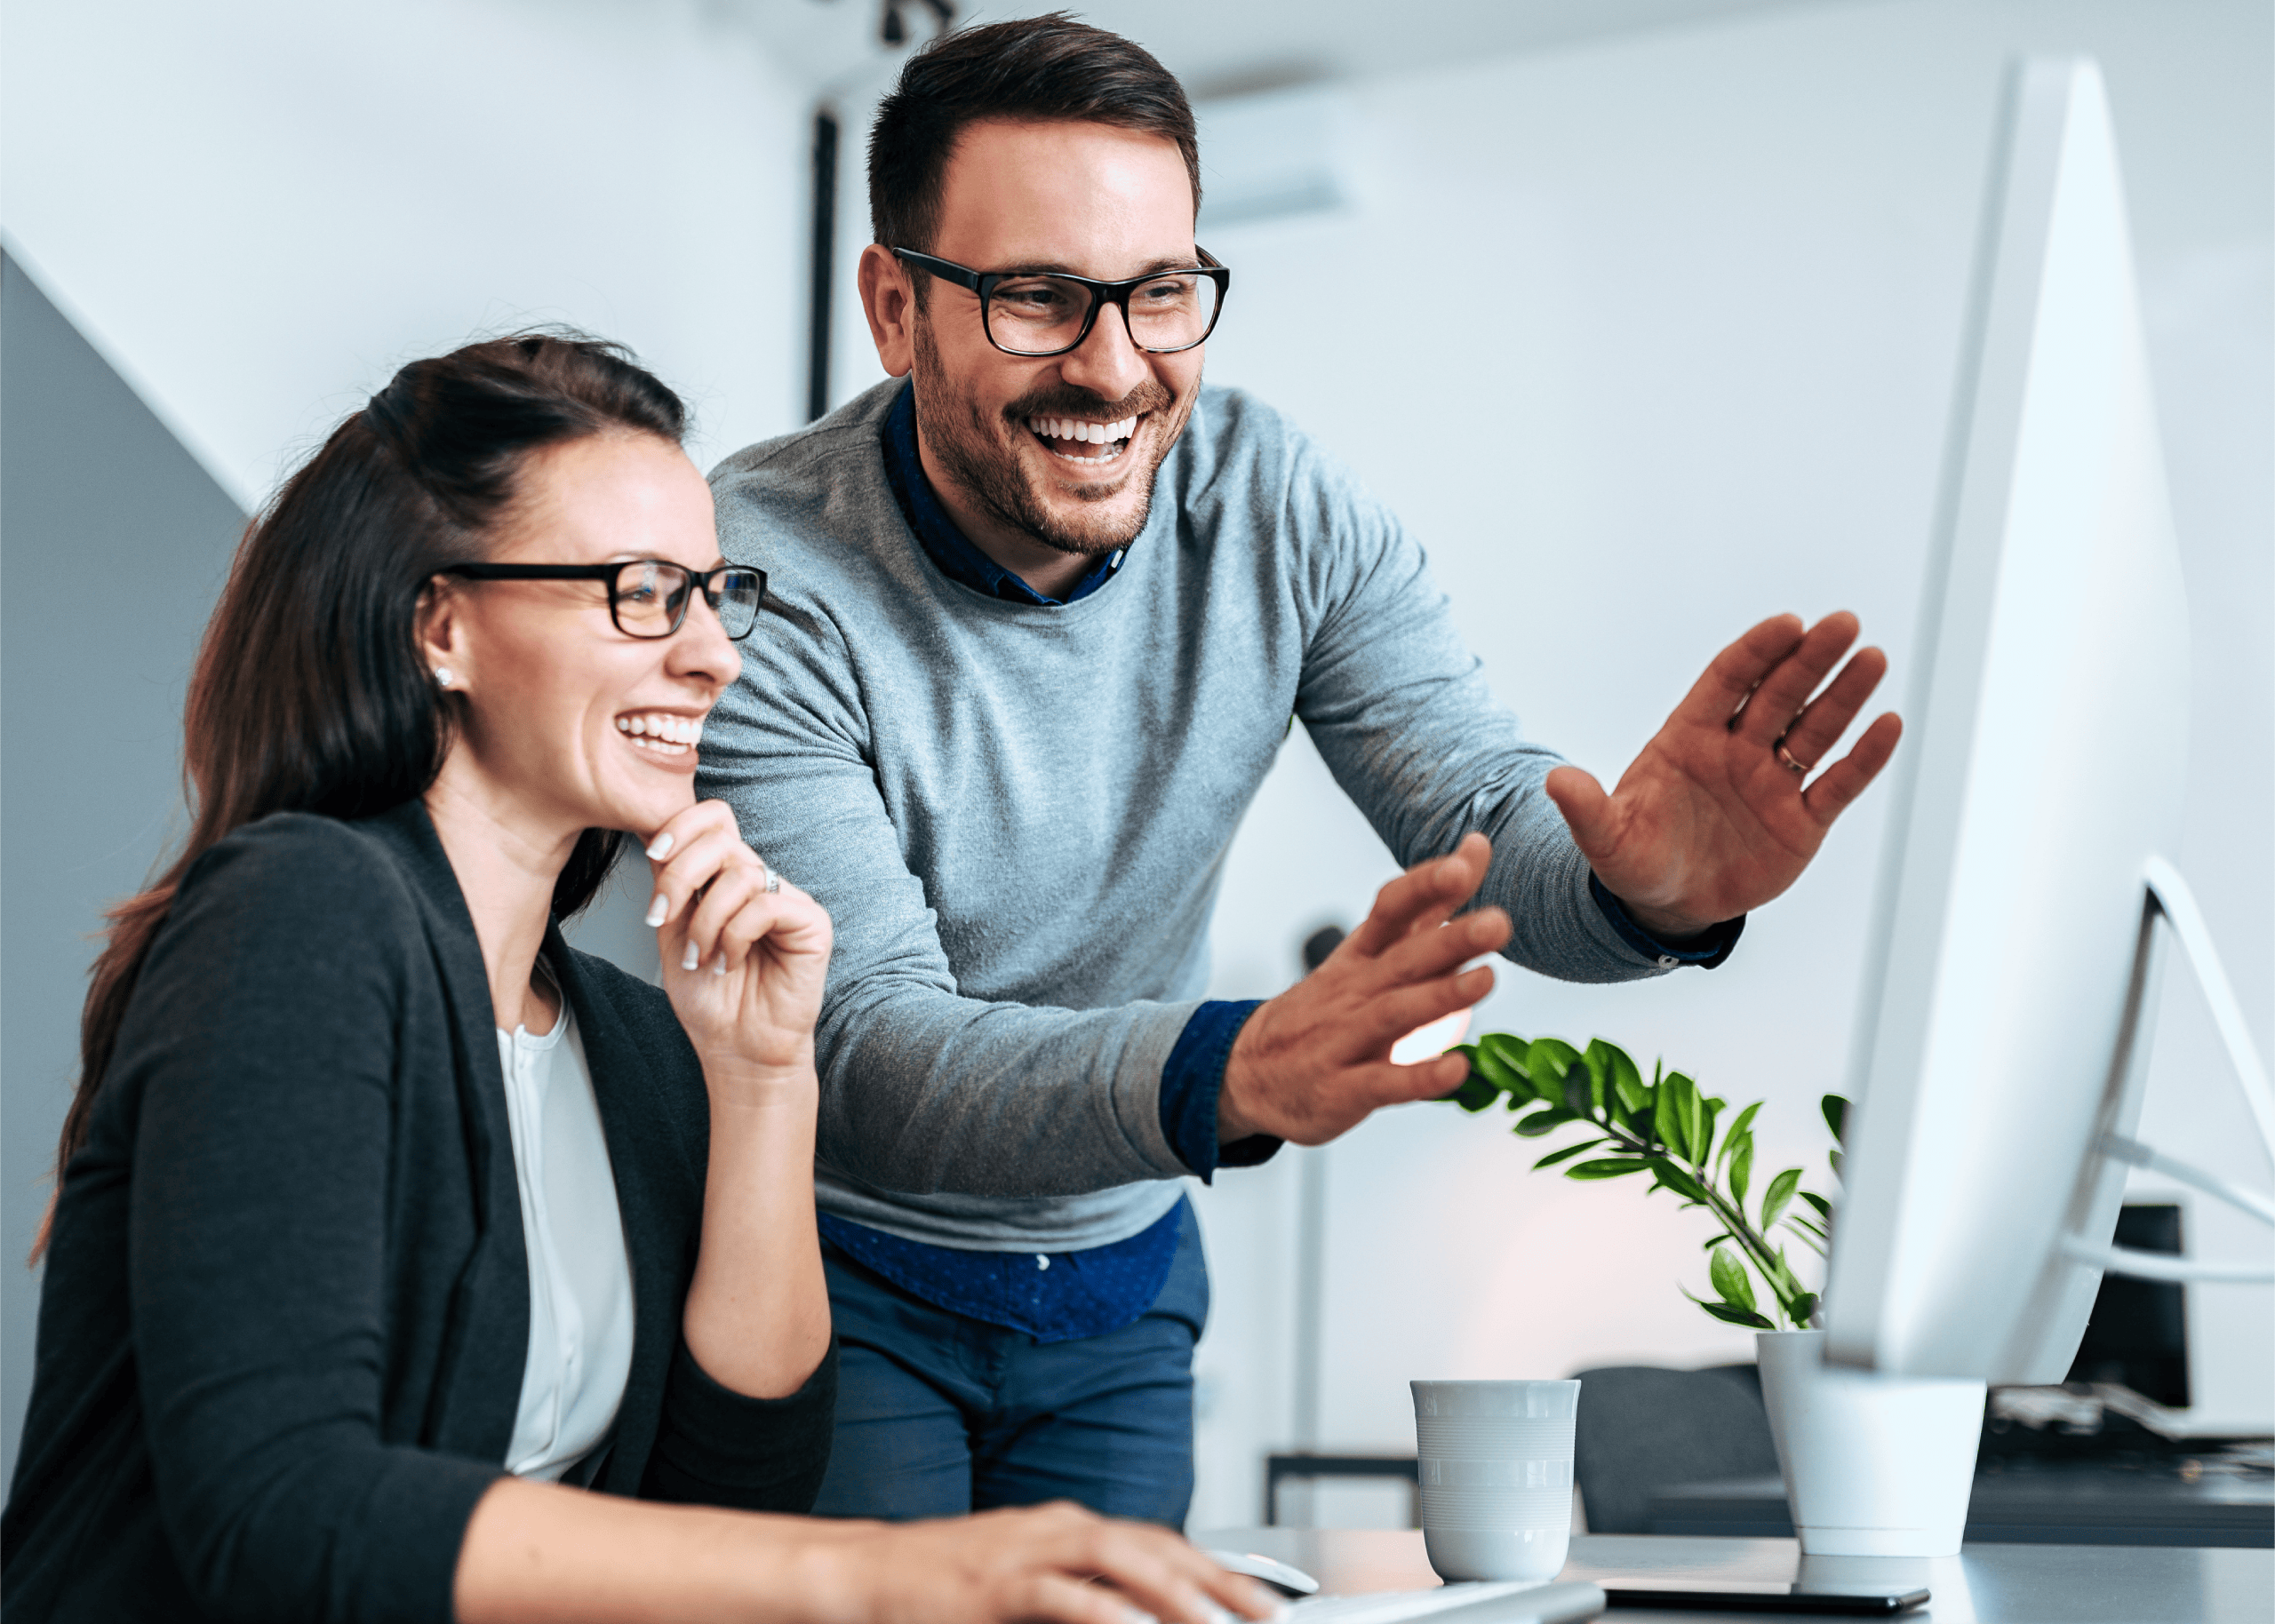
(580, 1276)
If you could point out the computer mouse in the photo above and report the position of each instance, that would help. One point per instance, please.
(1295, 1581)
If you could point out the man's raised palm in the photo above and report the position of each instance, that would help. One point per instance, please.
(1710, 822)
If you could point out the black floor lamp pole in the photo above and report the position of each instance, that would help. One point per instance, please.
(824, 245)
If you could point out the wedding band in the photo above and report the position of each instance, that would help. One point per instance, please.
(1785, 758)
(773, 881)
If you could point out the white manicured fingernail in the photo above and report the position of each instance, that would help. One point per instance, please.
(657, 910)
(691, 959)
(719, 968)
(662, 849)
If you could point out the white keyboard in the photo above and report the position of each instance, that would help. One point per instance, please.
(1519, 1602)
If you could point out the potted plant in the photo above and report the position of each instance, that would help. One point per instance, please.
(1873, 1466)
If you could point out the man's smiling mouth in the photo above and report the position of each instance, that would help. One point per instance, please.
(1078, 439)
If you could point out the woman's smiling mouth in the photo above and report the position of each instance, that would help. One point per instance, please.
(661, 733)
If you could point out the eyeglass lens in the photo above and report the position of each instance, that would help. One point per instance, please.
(1038, 315)
(651, 598)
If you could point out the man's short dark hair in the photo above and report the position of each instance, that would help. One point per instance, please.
(1033, 68)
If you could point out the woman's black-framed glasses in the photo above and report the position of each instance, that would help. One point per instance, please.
(648, 597)
(1036, 313)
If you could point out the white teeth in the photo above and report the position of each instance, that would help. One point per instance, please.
(670, 736)
(1083, 433)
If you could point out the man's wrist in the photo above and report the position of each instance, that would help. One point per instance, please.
(1675, 929)
(1705, 949)
(1193, 1091)
(1231, 1124)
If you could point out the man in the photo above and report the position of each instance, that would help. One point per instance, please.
(1041, 618)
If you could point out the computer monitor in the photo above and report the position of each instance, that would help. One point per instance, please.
(2003, 1035)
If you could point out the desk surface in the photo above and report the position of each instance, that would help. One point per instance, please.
(2036, 1503)
(1985, 1584)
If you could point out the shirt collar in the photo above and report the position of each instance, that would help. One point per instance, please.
(943, 542)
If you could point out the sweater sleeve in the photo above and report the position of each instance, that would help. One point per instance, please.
(924, 1088)
(262, 1038)
(1401, 713)
(717, 1447)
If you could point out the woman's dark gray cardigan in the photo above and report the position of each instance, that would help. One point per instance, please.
(286, 1308)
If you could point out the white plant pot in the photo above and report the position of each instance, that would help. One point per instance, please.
(1874, 1466)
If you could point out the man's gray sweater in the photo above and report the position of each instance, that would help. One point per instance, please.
(1017, 814)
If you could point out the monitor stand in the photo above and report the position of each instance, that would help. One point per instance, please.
(2167, 898)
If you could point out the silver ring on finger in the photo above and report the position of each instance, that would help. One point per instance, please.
(773, 880)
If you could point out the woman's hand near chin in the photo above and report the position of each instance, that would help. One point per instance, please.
(743, 965)
(1055, 1562)
(744, 968)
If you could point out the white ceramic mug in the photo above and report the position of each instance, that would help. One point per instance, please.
(1495, 1461)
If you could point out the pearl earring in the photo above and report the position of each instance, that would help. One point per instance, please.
(442, 676)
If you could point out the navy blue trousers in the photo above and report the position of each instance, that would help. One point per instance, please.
(940, 1413)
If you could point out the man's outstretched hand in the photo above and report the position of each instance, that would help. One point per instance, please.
(1710, 822)
(1315, 1060)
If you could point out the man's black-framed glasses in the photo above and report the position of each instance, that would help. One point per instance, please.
(1039, 313)
(648, 597)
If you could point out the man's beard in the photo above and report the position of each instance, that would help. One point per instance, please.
(972, 452)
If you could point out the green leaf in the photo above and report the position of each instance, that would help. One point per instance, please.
(1546, 1061)
(1713, 1108)
(1693, 1120)
(1626, 1078)
(1578, 1091)
(1476, 1092)
(1730, 1278)
(1736, 1317)
(1836, 1117)
(1543, 1122)
(1598, 1071)
(1801, 1307)
(1738, 1129)
(1508, 1053)
(1824, 1207)
(1568, 1154)
(1717, 1241)
(1741, 1169)
(1778, 1195)
(1666, 1117)
(1834, 1157)
(1675, 1178)
(1782, 1278)
(1481, 1064)
(1609, 1167)
(1806, 1226)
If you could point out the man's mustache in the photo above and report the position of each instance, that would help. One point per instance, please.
(1061, 401)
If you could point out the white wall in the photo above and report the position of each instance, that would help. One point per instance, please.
(258, 208)
(1702, 294)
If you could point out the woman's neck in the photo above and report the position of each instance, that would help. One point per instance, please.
(506, 863)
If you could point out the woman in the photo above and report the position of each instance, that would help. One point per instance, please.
(389, 1225)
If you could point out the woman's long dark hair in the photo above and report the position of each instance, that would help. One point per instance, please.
(309, 694)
